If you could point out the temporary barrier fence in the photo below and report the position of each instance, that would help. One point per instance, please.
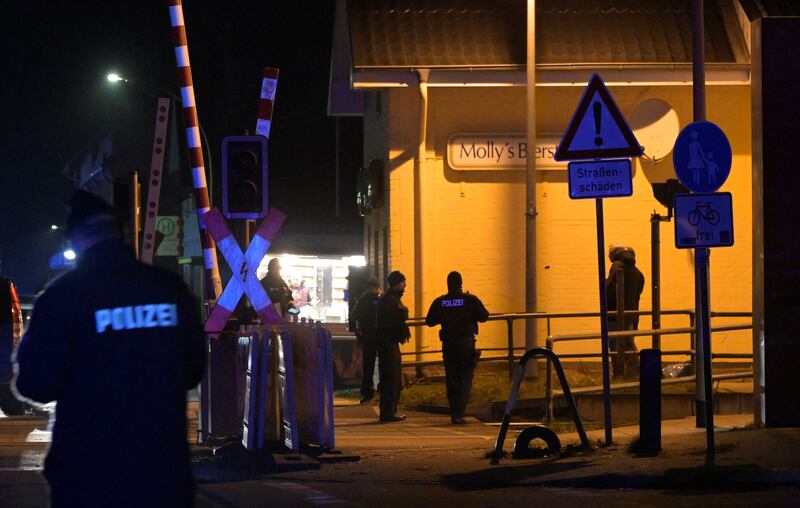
(277, 382)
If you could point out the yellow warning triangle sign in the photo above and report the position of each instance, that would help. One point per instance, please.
(597, 129)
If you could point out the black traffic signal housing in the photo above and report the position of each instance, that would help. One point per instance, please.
(244, 177)
(665, 193)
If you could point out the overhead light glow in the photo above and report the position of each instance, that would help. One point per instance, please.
(53, 227)
(114, 77)
(69, 254)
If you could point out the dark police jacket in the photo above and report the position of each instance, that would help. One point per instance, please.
(116, 343)
(459, 314)
(278, 291)
(392, 316)
(365, 315)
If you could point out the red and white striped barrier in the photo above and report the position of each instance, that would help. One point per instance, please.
(244, 266)
(194, 143)
(266, 102)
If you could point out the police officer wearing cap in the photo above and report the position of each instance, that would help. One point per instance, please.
(459, 314)
(392, 331)
(116, 343)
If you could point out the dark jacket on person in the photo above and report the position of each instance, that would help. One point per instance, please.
(459, 314)
(392, 316)
(634, 285)
(278, 291)
(116, 343)
(365, 315)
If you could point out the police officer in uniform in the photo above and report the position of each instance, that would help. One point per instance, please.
(365, 315)
(459, 314)
(392, 331)
(116, 343)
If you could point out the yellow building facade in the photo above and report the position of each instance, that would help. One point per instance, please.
(429, 76)
(474, 222)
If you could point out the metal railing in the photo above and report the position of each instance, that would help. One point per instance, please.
(552, 339)
(656, 334)
(510, 318)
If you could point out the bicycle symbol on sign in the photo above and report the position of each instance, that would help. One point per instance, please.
(703, 211)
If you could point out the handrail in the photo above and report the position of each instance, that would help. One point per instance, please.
(669, 381)
(510, 317)
(419, 321)
(635, 333)
(510, 349)
(552, 339)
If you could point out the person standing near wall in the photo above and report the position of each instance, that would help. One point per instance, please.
(623, 262)
(459, 314)
(392, 331)
(365, 315)
(117, 344)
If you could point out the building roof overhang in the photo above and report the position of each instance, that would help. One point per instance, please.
(553, 75)
(473, 43)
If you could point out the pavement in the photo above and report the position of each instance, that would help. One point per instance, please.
(427, 461)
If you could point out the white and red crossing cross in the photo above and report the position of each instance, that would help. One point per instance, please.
(244, 265)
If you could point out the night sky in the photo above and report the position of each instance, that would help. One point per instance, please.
(57, 104)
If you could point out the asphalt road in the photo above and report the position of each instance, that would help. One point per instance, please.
(427, 462)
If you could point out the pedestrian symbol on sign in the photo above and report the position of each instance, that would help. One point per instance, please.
(702, 157)
(701, 162)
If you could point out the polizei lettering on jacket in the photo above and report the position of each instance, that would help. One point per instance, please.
(154, 315)
(453, 302)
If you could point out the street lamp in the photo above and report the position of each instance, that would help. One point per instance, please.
(115, 78)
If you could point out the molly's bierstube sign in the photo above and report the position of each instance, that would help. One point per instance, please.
(478, 152)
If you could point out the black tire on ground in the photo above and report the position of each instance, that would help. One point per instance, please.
(522, 448)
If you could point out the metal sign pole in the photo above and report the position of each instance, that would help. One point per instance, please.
(601, 272)
(700, 372)
(701, 259)
(701, 255)
(594, 147)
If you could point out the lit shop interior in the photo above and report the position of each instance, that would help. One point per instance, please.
(318, 284)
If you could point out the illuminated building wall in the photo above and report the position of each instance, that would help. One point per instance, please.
(473, 220)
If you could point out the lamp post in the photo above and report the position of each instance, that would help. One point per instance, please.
(115, 78)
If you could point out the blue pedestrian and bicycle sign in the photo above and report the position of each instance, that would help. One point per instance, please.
(600, 179)
(703, 220)
(702, 157)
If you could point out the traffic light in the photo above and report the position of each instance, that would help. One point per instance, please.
(244, 177)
